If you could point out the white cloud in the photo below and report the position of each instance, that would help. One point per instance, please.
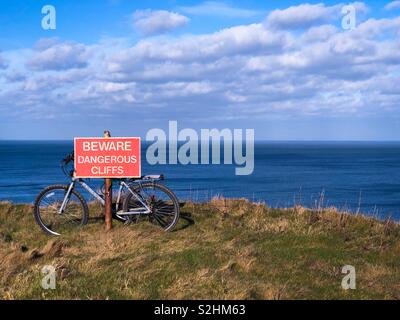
(319, 33)
(247, 70)
(151, 22)
(393, 5)
(15, 76)
(361, 7)
(238, 40)
(214, 8)
(49, 55)
(302, 16)
(3, 63)
(308, 15)
(373, 27)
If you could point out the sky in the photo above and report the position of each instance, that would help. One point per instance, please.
(290, 70)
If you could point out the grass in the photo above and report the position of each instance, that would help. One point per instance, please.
(224, 249)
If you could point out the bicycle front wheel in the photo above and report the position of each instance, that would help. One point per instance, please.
(49, 216)
(162, 202)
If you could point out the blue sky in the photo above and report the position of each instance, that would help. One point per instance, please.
(288, 69)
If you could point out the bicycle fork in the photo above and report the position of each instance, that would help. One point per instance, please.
(66, 198)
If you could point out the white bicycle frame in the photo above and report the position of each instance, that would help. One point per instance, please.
(122, 185)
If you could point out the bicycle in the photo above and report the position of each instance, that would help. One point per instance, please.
(59, 208)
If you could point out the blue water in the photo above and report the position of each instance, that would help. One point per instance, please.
(347, 175)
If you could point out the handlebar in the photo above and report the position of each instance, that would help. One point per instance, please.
(68, 158)
(64, 163)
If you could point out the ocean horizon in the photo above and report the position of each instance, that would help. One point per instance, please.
(356, 176)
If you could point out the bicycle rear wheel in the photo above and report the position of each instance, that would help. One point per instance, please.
(47, 210)
(162, 202)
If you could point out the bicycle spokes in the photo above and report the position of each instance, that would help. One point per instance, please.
(52, 218)
(161, 206)
(160, 202)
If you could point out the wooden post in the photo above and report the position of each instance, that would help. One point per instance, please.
(108, 196)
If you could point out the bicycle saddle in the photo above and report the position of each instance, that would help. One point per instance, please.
(147, 177)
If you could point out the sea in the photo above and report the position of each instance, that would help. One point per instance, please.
(360, 177)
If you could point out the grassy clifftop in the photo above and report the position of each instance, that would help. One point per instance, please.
(235, 249)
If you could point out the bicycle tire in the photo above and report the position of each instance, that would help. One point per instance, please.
(38, 199)
(162, 188)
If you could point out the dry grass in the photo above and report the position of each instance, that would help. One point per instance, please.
(235, 249)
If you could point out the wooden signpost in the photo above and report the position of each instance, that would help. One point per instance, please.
(108, 195)
(107, 158)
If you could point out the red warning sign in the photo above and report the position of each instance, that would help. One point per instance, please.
(107, 157)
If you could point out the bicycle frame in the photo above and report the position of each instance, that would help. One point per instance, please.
(122, 185)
